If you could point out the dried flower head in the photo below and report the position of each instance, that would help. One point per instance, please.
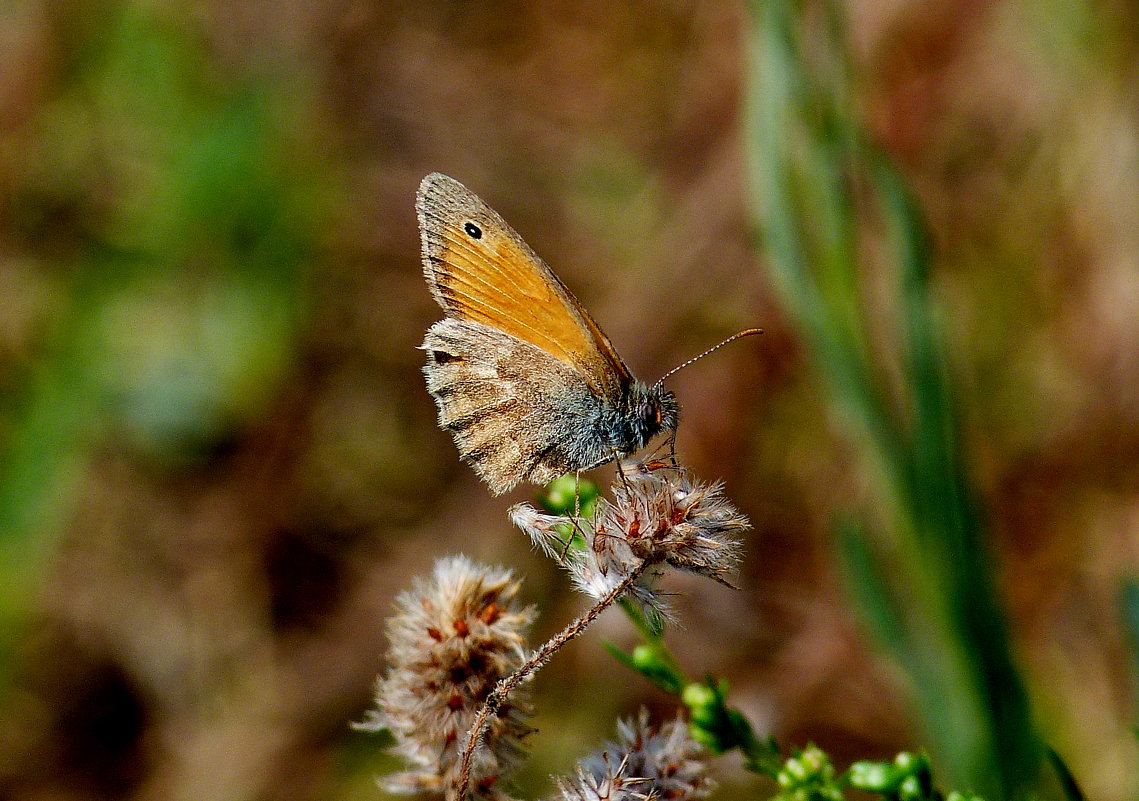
(666, 517)
(453, 637)
(658, 517)
(643, 763)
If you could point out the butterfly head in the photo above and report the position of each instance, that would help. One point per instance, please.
(652, 409)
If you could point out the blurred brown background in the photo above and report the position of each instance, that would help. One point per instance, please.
(220, 462)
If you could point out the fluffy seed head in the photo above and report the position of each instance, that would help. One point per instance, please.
(657, 516)
(644, 762)
(666, 517)
(455, 634)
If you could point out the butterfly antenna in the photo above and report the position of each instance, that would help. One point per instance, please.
(749, 332)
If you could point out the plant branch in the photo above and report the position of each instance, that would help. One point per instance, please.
(536, 661)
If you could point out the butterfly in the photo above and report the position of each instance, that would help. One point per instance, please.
(526, 382)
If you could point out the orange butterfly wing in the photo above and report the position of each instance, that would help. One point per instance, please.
(480, 270)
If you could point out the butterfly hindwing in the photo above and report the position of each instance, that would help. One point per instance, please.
(508, 419)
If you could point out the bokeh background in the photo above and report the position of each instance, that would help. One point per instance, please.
(218, 462)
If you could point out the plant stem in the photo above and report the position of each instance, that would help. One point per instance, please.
(536, 661)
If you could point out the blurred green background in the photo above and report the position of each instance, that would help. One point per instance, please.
(218, 462)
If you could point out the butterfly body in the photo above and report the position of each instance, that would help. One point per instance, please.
(526, 382)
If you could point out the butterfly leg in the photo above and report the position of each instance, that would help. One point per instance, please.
(621, 471)
(576, 516)
(672, 448)
(577, 494)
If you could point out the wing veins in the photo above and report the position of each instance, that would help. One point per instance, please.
(459, 245)
(456, 286)
(473, 281)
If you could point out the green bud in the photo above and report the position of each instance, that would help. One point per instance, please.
(911, 763)
(875, 777)
(910, 789)
(651, 661)
(815, 761)
(560, 494)
(645, 658)
(698, 696)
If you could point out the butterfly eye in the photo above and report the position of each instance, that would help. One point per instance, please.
(648, 411)
(473, 231)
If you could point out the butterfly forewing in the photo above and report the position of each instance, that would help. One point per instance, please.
(480, 270)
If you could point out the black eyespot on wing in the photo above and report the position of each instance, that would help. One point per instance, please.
(442, 357)
(473, 231)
